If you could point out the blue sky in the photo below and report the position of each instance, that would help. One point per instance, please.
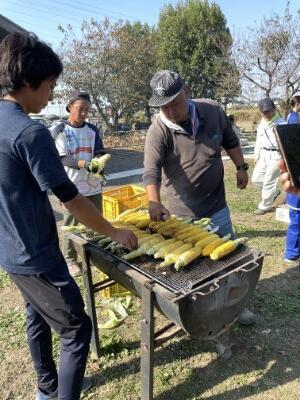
(43, 16)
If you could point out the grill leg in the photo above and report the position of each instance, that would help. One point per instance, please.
(147, 342)
(90, 301)
(224, 344)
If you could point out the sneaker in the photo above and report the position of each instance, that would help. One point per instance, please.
(247, 317)
(259, 211)
(294, 261)
(42, 396)
(74, 268)
(86, 386)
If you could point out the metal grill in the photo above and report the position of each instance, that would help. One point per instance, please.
(195, 273)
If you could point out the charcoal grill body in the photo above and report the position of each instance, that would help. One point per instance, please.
(203, 305)
(202, 312)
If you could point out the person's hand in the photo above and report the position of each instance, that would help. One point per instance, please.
(285, 180)
(158, 212)
(126, 238)
(241, 179)
(90, 167)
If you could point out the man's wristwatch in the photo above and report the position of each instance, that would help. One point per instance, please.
(242, 167)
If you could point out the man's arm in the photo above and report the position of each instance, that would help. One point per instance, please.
(231, 144)
(237, 158)
(285, 180)
(156, 210)
(88, 214)
(154, 154)
(258, 141)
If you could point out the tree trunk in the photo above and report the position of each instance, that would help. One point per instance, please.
(103, 115)
(148, 113)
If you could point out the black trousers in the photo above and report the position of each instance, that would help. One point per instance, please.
(53, 300)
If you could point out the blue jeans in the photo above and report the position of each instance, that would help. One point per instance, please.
(292, 245)
(222, 219)
(53, 300)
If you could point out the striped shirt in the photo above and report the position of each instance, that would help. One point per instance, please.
(81, 143)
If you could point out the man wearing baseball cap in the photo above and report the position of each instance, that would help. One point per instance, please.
(184, 143)
(266, 156)
(77, 142)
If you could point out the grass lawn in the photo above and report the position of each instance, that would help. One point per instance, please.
(265, 362)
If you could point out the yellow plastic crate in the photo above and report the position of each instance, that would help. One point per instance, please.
(114, 290)
(123, 198)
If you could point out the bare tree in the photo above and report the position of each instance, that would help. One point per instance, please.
(268, 55)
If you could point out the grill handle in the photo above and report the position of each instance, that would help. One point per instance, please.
(253, 266)
(211, 289)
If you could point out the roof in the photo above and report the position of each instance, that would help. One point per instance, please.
(7, 26)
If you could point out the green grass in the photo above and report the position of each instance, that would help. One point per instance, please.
(4, 279)
(265, 362)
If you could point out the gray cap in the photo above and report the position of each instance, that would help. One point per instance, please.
(78, 95)
(165, 86)
(266, 104)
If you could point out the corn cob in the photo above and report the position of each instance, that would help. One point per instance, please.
(74, 228)
(145, 239)
(153, 224)
(142, 249)
(191, 231)
(171, 233)
(104, 241)
(195, 238)
(140, 234)
(172, 257)
(189, 228)
(209, 248)
(226, 248)
(163, 251)
(187, 257)
(144, 223)
(159, 245)
(168, 225)
(202, 221)
(134, 218)
(208, 239)
(126, 213)
(156, 225)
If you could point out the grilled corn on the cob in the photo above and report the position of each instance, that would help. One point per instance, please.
(209, 248)
(163, 251)
(187, 257)
(142, 249)
(226, 248)
(206, 240)
(157, 246)
(172, 257)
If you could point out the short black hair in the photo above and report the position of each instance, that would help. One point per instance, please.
(295, 100)
(25, 59)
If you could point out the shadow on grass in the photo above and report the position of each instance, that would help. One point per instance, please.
(263, 233)
(267, 354)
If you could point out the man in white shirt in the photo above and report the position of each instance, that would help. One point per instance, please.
(266, 156)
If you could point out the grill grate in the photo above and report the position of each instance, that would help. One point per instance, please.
(191, 276)
(195, 273)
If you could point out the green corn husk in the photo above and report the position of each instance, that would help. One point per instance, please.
(104, 241)
(75, 228)
(133, 254)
